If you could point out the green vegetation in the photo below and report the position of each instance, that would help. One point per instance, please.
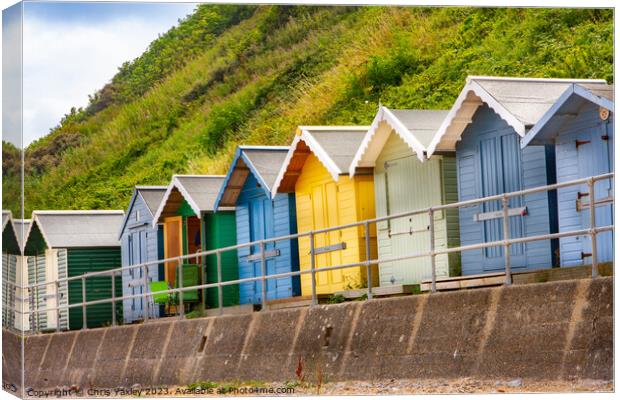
(335, 299)
(202, 385)
(246, 74)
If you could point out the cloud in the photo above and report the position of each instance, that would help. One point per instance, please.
(11, 73)
(66, 62)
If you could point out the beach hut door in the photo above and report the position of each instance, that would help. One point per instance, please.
(137, 249)
(261, 227)
(594, 154)
(500, 163)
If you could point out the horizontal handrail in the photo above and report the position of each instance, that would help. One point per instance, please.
(449, 250)
(506, 242)
(460, 204)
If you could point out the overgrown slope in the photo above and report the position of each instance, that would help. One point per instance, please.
(244, 74)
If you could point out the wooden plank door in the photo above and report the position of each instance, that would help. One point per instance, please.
(335, 277)
(319, 221)
(500, 167)
(594, 155)
(172, 246)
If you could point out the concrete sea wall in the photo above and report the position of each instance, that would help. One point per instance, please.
(560, 330)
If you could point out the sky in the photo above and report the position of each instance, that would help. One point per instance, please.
(70, 50)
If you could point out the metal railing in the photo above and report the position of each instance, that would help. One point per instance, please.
(505, 243)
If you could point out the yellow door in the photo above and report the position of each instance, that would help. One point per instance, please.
(334, 237)
(324, 211)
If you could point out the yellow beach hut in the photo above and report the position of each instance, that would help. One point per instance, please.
(316, 169)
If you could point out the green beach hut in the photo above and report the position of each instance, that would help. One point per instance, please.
(191, 225)
(62, 244)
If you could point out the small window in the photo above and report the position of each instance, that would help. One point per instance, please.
(137, 215)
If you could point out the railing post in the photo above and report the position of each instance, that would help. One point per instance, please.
(113, 298)
(84, 323)
(32, 306)
(312, 268)
(180, 286)
(368, 269)
(431, 230)
(593, 227)
(263, 269)
(145, 292)
(220, 295)
(506, 223)
(57, 306)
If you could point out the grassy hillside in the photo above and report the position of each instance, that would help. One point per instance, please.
(244, 74)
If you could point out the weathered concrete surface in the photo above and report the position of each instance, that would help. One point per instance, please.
(559, 330)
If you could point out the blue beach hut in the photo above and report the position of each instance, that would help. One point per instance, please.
(248, 187)
(484, 126)
(580, 126)
(141, 242)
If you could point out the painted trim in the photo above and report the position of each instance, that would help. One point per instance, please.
(574, 89)
(35, 220)
(321, 154)
(257, 175)
(132, 201)
(10, 218)
(240, 153)
(284, 168)
(474, 87)
(176, 184)
(386, 115)
(231, 170)
(304, 134)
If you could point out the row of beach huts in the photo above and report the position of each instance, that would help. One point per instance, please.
(501, 135)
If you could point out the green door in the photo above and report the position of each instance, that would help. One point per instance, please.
(81, 261)
(220, 231)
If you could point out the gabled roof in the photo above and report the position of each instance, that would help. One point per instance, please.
(84, 228)
(521, 102)
(200, 192)
(152, 197)
(415, 127)
(6, 217)
(334, 146)
(264, 162)
(566, 109)
(11, 242)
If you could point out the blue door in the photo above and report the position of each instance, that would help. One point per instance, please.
(137, 255)
(595, 158)
(585, 151)
(500, 167)
(262, 227)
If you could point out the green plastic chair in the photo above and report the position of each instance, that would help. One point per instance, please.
(191, 277)
(162, 298)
